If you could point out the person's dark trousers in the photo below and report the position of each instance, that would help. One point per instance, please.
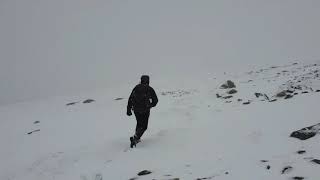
(142, 123)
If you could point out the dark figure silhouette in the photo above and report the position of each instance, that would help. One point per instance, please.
(141, 100)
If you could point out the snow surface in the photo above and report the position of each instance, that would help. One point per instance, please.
(192, 134)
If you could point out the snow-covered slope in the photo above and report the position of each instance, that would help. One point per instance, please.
(195, 132)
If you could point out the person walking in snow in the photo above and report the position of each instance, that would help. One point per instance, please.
(141, 100)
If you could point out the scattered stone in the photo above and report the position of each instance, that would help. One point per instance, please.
(317, 161)
(266, 97)
(246, 103)
(88, 101)
(298, 87)
(288, 96)
(135, 178)
(306, 133)
(232, 91)
(205, 178)
(174, 179)
(301, 152)
(268, 167)
(227, 85)
(264, 161)
(290, 91)
(281, 94)
(273, 100)
(305, 92)
(224, 86)
(36, 122)
(144, 172)
(33, 131)
(318, 90)
(228, 101)
(239, 100)
(218, 96)
(295, 93)
(298, 178)
(70, 104)
(286, 169)
(118, 99)
(258, 94)
(227, 97)
(226, 172)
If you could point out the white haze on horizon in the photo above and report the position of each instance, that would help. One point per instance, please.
(50, 48)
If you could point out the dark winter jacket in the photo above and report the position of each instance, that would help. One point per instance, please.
(142, 98)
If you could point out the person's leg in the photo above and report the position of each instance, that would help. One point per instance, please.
(142, 123)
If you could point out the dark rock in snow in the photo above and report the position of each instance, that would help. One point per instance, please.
(317, 161)
(268, 167)
(298, 178)
(301, 152)
(70, 104)
(224, 86)
(318, 90)
(286, 169)
(295, 93)
(228, 101)
(303, 135)
(273, 100)
(258, 94)
(204, 178)
(218, 96)
(227, 97)
(118, 99)
(227, 85)
(144, 172)
(232, 91)
(246, 103)
(226, 172)
(288, 96)
(239, 100)
(264, 161)
(88, 101)
(281, 94)
(33, 131)
(36, 122)
(306, 133)
(305, 92)
(290, 91)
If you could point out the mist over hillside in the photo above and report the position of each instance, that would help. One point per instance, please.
(51, 48)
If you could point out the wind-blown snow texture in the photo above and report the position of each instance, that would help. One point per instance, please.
(193, 133)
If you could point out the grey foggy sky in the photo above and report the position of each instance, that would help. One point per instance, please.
(54, 47)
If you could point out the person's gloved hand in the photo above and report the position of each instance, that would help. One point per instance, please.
(129, 113)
